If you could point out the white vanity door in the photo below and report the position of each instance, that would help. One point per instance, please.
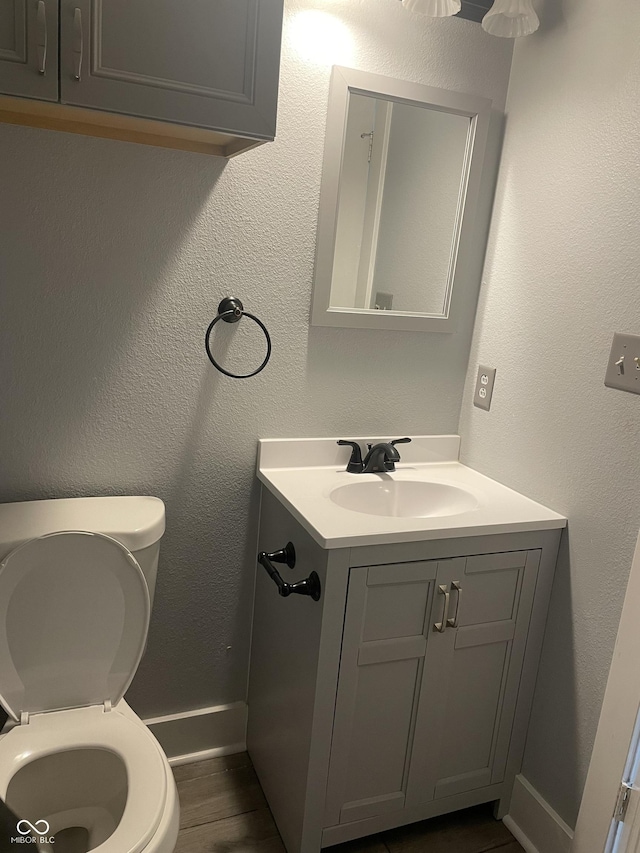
(471, 674)
(29, 48)
(383, 652)
(207, 63)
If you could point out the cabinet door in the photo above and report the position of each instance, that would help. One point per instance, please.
(207, 63)
(383, 651)
(471, 674)
(29, 48)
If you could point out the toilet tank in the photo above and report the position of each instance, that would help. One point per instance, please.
(137, 522)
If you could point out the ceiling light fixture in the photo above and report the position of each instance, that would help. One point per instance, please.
(434, 8)
(511, 19)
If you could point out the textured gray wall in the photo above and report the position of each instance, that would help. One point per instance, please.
(112, 262)
(561, 276)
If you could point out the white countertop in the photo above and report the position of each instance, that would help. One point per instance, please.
(302, 473)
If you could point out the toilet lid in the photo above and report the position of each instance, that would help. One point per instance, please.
(74, 615)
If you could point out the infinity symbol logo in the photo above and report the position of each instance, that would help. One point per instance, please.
(40, 827)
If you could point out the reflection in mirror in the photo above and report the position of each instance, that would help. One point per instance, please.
(403, 169)
(397, 243)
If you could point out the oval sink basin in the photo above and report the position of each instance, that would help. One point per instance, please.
(403, 498)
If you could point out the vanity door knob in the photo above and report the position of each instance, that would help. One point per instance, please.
(441, 626)
(453, 622)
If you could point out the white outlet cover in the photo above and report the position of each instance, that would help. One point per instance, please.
(485, 381)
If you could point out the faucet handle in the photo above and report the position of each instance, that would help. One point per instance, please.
(355, 464)
(390, 466)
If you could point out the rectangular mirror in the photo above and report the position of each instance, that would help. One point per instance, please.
(400, 183)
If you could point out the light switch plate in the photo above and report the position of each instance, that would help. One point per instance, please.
(623, 369)
(484, 387)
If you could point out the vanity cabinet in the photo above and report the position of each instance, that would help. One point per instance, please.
(402, 694)
(431, 659)
(199, 74)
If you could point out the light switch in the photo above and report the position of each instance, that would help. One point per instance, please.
(623, 369)
(484, 387)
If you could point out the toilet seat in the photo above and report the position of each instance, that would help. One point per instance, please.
(95, 728)
(74, 612)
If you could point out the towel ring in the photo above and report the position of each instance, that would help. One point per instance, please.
(231, 310)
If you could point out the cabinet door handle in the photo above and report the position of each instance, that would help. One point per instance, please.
(441, 626)
(41, 36)
(453, 622)
(78, 42)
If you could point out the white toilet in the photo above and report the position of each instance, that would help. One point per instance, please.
(77, 578)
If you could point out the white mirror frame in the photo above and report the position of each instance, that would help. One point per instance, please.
(464, 275)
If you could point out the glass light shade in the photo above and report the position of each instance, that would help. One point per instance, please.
(434, 8)
(511, 19)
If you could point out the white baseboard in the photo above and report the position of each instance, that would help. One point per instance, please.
(204, 733)
(533, 822)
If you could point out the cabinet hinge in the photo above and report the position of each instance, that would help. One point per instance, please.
(622, 803)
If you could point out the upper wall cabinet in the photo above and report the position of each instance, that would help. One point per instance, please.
(198, 74)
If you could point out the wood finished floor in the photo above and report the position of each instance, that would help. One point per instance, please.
(223, 810)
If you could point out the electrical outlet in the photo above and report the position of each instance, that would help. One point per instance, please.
(623, 369)
(484, 387)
